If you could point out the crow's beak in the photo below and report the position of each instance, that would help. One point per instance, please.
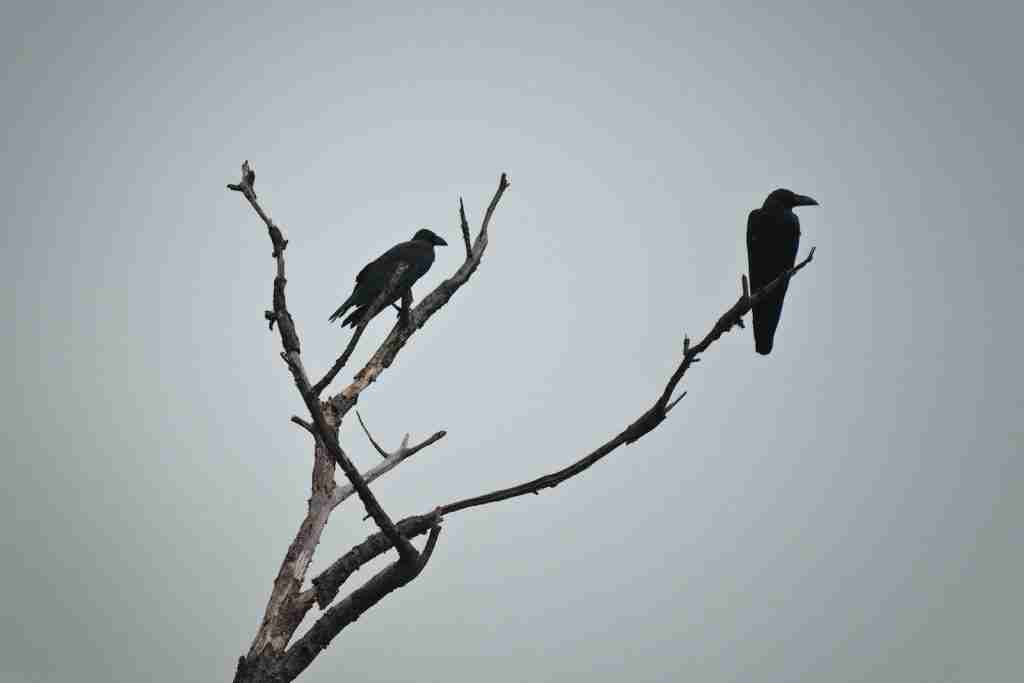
(804, 200)
(440, 242)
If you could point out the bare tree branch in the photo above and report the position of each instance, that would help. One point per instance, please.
(290, 341)
(383, 453)
(280, 315)
(270, 658)
(276, 619)
(732, 317)
(672, 405)
(326, 585)
(404, 450)
(287, 606)
(642, 425)
(305, 425)
(319, 636)
(390, 462)
(290, 605)
(294, 661)
(465, 229)
(328, 582)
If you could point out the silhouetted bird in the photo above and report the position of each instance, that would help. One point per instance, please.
(773, 235)
(417, 254)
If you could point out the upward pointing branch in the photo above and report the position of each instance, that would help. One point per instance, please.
(428, 306)
(291, 356)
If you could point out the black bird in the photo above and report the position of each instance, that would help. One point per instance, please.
(417, 254)
(773, 235)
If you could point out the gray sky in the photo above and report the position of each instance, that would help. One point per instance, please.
(847, 509)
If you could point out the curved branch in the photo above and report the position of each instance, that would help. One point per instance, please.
(376, 446)
(646, 422)
(328, 582)
(404, 449)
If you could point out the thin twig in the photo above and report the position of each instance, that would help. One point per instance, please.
(305, 425)
(672, 405)
(465, 229)
(389, 463)
(383, 453)
(404, 450)
(726, 323)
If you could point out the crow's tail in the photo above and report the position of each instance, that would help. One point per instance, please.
(766, 319)
(341, 310)
(355, 317)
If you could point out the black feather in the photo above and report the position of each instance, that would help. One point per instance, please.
(773, 237)
(417, 254)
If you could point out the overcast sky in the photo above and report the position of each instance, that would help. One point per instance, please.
(846, 509)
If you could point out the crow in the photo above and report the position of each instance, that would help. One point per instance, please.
(417, 254)
(773, 235)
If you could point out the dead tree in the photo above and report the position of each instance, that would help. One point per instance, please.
(275, 654)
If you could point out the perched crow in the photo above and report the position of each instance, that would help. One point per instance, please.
(417, 254)
(773, 235)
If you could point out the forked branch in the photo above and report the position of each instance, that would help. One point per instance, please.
(404, 449)
(288, 605)
(290, 341)
(329, 581)
(319, 636)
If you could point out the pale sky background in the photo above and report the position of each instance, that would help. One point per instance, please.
(847, 509)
